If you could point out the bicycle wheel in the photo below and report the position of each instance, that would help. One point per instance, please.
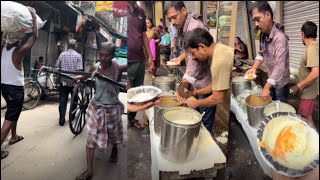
(79, 102)
(32, 94)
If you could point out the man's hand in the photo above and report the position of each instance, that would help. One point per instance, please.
(192, 103)
(42, 69)
(251, 71)
(295, 90)
(32, 11)
(176, 60)
(181, 99)
(265, 94)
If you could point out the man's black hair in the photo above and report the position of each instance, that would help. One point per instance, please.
(309, 29)
(178, 5)
(193, 38)
(262, 6)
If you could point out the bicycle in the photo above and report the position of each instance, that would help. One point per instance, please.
(42, 85)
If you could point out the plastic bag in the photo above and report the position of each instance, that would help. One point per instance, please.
(13, 37)
(16, 18)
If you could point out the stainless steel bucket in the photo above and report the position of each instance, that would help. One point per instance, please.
(165, 83)
(255, 108)
(239, 84)
(158, 111)
(179, 140)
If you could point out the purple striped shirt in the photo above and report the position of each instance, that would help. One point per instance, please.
(274, 51)
(197, 73)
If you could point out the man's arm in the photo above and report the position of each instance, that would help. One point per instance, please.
(281, 51)
(255, 66)
(215, 98)
(313, 64)
(31, 40)
(81, 77)
(174, 45)
(180, 58)
(314, 74)
(204, 91)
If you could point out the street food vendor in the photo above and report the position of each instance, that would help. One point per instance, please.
(197, 73)
(199, 43)
(274, 51)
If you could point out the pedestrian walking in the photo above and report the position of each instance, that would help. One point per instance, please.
(104, 122)
(12, 82)
(70, 60)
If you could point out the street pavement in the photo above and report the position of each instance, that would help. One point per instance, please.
(52, 152)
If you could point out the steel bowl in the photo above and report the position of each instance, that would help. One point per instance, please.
(146, 93)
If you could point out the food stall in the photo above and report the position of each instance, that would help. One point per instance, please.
(181, 147)
(208, 159)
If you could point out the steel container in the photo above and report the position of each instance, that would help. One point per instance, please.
(165, 83)
(239, 84)
(158, 111)
(179, 141)
(255, 108)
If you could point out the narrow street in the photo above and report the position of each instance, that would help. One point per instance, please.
(51, 152)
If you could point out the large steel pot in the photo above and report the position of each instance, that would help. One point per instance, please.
(165, 83)
(179, 139)
(239, 84)
(255, 107)
(165, 103)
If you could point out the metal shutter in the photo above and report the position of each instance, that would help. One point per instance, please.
(295, 13)
(190, 5)
(40, 47)
(240, 29)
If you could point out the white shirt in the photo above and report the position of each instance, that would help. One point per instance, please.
(10, 75)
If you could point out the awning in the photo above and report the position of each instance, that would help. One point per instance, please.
(105, 33)
(71, 6)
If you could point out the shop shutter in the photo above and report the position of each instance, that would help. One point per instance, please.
(295, 13)
(190, 5)
(240, 29)
(40, 47)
